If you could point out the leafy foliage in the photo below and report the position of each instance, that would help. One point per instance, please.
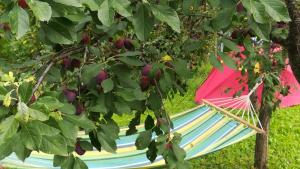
(100, 58)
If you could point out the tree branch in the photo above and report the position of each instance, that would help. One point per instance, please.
(57, 57)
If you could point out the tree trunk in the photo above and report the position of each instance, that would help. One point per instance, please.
(293, 44)
(261, 146)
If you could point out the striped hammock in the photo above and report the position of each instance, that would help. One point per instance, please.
(214, 125)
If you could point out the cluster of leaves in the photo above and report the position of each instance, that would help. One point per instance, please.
(98, 64)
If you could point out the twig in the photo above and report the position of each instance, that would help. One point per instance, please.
(57, 57)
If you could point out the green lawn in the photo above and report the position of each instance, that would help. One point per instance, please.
(284, 140)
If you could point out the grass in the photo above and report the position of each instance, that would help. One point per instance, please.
(284, 139)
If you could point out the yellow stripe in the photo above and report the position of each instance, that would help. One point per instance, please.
(204, 136)
(131, 148)
(82, 133)
(227, 137)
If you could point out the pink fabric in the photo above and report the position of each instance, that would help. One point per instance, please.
(218, 82)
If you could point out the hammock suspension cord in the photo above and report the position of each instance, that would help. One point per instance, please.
(240, 107)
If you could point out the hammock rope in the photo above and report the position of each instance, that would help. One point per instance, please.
(234, 106)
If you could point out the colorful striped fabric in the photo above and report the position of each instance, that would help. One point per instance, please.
(204, 130)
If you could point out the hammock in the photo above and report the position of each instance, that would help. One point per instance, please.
(214, 125)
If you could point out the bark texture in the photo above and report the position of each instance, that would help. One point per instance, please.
(261, 146)
(293, 44)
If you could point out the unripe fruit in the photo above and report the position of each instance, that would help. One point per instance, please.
(119, 44)
(70, 95)
(79, 150)
(102, 75)
(144, 83)
(79, 109)
(86, 38)
(75, 63)
(128, 44)
(23, 4)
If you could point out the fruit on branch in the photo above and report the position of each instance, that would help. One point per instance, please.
(86, 38)
(78, 149)
(240, 7)
(144, 83)
(281, 25)
(66, 62)
(146, 70)
(79, 108)
(5, 27)
(101, 76)
(75, 63)
(128, 44)
(169, 146)
(33, 98)
(70, 95)
(119, 44)
(23, 4)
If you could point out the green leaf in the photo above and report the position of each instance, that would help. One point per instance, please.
(178, 152)
(223, 19)
(122, 7)
(61, 31)
(90, 71)
(80, 121)
(92, 4)
(106, 142)
(54, 145)
(228, 60)
(215, 62)
(79, 164)
(262, 30)
(152, 151)
(42, 128)
(106, 13)
(8, 128)
(143, 22)
(122, 107)
(41, 10)
(181, 68)
(168, 15)
(277, 10)
(143, 140)
(133, 61)
(75, 3)
(149, 123)
(19, 21)
(86, 145)
(5, 150)
(23, 112)
(37, 115)
(231, 45)
(25, 91)
(31, 138)
(108, 85)
(100, 106)
(67, 108)
(68, 129)
(50, 103)
(258, 10)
